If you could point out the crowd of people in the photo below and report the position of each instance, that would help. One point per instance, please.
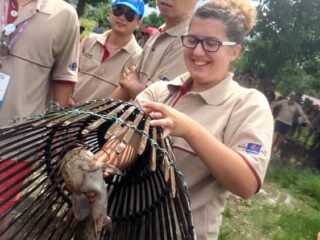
(300, 120)
(307, 134)
(297, 116)
(221, 132)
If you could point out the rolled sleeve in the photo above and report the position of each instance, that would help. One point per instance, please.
(249, 133)
(67, 48)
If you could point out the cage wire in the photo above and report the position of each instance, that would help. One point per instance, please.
(149, 201)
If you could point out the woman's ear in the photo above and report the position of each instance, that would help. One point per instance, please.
(235, 52)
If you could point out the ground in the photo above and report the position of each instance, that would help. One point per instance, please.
(287, 208)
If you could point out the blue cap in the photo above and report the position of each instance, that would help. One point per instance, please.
(136, 5)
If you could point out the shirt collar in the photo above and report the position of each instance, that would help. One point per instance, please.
(179, 29)
(129, 47)
(102, 38)
(215, 95)
(180, 82)
(45, 6)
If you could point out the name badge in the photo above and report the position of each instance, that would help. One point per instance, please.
(4, 82)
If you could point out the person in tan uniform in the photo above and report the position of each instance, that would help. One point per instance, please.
(221, 132)
(162, 56)
(288, 108)
(39, 42)
(39, 45)
(104, 57)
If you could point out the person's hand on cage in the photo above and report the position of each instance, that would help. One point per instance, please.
(173, 121)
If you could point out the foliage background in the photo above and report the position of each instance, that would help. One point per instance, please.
(283, 49)
(285, 46)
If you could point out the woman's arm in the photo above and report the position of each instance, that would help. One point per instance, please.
(224, 163)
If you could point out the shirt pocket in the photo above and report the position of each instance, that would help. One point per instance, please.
(89, 62)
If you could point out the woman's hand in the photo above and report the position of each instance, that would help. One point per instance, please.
(173, 121)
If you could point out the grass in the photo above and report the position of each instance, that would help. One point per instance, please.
(286, 209)
(303, 184)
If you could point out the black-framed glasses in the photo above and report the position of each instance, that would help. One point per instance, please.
(119, 10)
(208, 44)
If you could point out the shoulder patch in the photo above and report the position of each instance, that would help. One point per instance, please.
(253, 148)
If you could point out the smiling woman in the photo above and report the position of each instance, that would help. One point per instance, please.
(207, 68)
(221, 132)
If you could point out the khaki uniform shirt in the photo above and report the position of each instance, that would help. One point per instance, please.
(287, 111)
(162, 56)
(46, 50)
(98, 79)
(238, 117)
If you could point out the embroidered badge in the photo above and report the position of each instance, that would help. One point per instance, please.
(73, 66)
(253, 148)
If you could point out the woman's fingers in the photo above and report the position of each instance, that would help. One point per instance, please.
(164, 122)
(154, 106)
(166, 132)
(155, 110)
(160, 115)
(164, 116)
(156, 115)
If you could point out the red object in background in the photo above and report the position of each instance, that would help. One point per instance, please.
(150, 30)
(11, 180)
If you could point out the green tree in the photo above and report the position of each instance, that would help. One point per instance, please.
(81, 4)
(98, 12)
(286, 37)
(151, 3)
(153, 19)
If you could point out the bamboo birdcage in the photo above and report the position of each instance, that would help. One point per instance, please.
(149, 201)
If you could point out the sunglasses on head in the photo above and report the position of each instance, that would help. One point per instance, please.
(119, 10)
